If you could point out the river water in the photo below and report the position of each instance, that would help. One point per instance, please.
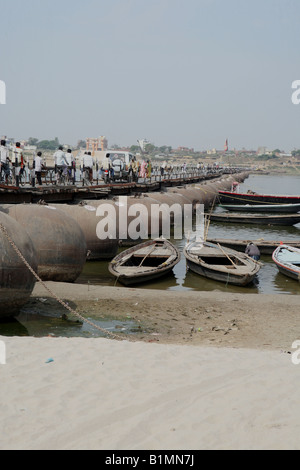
(32, 323)
(269, 280)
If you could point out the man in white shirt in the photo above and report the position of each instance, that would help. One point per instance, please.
(4, 156)
(70, 157)
(60, 160)
(87, 163)
(71, 164)
(18, 162)
(38, 165)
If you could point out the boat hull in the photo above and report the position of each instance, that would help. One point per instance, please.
(229, 197)
(263, 208)
(132, 275)
(265, 247)
(220, 264)
(286, 220)
(133, 281)
(218, 276)
(286, 272)
(285, 263)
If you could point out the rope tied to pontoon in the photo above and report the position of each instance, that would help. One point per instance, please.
(64, 304)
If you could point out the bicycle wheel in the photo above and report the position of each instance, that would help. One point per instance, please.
(22, 179)
(45, 179)
(51, 177)
(12, 178)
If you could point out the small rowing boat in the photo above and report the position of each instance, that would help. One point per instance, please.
(220, 263)
(287, 260)
(265, 208)
(290, 219)
(145, 262)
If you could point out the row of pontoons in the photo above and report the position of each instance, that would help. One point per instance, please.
(155, 258)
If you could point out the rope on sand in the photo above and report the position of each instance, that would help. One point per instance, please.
(64, 304)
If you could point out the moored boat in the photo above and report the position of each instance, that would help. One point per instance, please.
(145, 262)
(266, 247)
(220, 263)
(286, 219)
(287, 260)
(232, 197)
(266, 208)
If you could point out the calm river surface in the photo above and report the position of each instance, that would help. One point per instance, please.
(269, 281)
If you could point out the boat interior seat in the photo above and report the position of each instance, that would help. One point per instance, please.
(287, 256)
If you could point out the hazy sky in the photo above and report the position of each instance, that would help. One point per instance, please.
(177, 72)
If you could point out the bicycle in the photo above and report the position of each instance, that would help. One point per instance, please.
(64, 176)
(5, 176)
(22, 177)
(12, 177)
(86, 177)
(48, 176)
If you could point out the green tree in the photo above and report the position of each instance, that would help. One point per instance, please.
(32, 141)
(49, 144)
(149, 148)
(135, 149)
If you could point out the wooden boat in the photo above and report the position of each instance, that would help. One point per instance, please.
(266, 247)
(220, 263)
(266, 208)
(145, 262)
(287, 260)
(289, 219)
(232, 197)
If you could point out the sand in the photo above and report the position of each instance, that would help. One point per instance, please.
(168, 388)
(257, 321)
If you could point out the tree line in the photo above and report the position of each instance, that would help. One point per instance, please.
(44, 144)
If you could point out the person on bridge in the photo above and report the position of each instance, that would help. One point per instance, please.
(87, 163)
(18, 162)
(60, 160)
(4, 160)
(38, 166)
(71, 164)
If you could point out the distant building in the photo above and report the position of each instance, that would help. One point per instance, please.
(285, 155)
(96, 144)
(263, 151)
(185, 149)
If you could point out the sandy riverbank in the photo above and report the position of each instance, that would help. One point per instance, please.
(175, 393)
(190, 317)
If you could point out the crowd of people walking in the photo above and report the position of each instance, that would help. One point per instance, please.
(18, 169)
